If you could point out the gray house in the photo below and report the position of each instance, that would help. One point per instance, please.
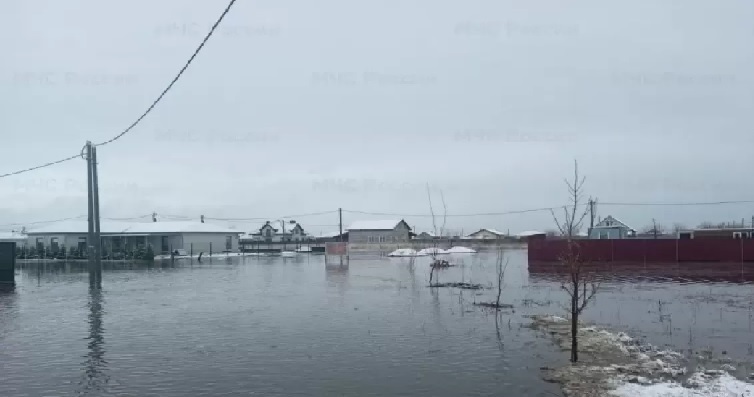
(375, 232)
(164, 237)
(611, 228)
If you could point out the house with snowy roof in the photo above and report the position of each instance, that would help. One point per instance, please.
(383, 231)
(611, 228)
(487, 234)
(163, 237)
(274, 233)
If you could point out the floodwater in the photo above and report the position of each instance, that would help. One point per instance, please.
(296, 326)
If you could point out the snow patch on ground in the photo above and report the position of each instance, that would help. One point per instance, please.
(405, 252)
(699, 384)
(615, 364)
(432, 251)
(460, 250)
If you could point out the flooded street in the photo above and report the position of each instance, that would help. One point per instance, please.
(293, 326)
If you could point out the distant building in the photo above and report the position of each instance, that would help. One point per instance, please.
(270, 234)
(13, 237)
(721, 233)
(611, 228)
(163, 237)
(387, 231)
(487, 234)
(531, 235)
(332, 237)
(425, 236)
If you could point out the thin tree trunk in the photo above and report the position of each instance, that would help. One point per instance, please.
(574, 328)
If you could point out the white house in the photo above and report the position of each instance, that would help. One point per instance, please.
(611, 228)
(487, 234)
(163, 237)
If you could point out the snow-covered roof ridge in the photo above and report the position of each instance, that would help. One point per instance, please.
(493, 231)
(529, 233)
(613, 219)
(389, 224)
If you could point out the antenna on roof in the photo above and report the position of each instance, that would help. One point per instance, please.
(154, 217)
(202, 218)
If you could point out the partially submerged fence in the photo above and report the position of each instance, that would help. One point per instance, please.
(647, 250)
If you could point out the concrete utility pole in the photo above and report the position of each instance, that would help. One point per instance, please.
(97, 231)
(93, 237)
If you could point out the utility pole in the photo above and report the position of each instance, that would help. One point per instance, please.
(591, 215)
(90, 235)
(340, 224)
(97, 235)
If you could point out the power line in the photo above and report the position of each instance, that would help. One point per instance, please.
(555, 208)
(273, 217)
(454, 215)
(40, 166)
(175, 79)
(43, 222)
(149, 109)
(680, 204)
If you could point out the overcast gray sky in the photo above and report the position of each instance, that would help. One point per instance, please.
(296, 107)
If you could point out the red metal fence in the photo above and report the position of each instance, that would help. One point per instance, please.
(648, 250)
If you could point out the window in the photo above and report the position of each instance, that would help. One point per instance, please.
(736, 235)
(382, 239)
(268, 232)
(165, 244)
(229, 243)
(54, 245)
(40, 244)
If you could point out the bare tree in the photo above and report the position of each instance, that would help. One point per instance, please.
(501, 265)
(655, 229)
(434, 248)
(678, 227)
(580, 284)
(500, 274)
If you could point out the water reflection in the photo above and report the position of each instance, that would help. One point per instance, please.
(337, 276)
(685, 272)
(95, 378)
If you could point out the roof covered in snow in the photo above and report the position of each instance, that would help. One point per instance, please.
(117, 227)
(11, 237)
(331, 234)
(530, 233)
(611, 222)
(493, 231)
(375, 225)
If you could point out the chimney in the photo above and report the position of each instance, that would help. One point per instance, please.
(202, 218)
(154, 217)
